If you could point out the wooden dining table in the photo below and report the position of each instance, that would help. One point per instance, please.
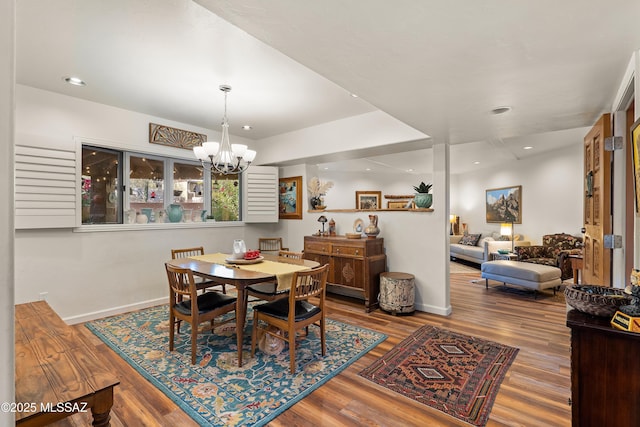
(240, 278)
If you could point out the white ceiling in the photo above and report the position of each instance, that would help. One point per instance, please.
(438, 66)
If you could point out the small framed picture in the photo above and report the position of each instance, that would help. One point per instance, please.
(368, 199)
(290, 198)
(400, 204)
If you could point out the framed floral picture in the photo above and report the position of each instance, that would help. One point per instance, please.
(504, 204)
(290, 198)
(368, 199)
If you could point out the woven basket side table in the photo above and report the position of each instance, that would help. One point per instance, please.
(397, 292)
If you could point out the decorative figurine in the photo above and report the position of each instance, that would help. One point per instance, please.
(633, 309)
(627, 318)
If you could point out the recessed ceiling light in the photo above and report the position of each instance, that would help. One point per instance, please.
(476, 163)
(247, 127)
(326, 168)
(368, 169)
(409, 170)
(353, 95)
(76, 81)
(528, 147)
(501, 110)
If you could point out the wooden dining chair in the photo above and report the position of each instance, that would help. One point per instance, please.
(191, 252)
(271, 244)
(185, 304)
(294, 313)
(268, 291)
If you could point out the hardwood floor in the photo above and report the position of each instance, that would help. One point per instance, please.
(535, 391)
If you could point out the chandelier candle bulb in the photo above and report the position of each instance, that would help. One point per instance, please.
(210, 148)
(238, 150)
(249, 156)
(200, 152)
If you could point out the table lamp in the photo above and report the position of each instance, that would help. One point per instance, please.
(506, 229)
(322, 220)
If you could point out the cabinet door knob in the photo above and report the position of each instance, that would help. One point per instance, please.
(357, 252)
(338, 250)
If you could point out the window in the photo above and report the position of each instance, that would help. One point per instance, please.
(100, 193)
(146, 187)
(225, 197)
(188, 190)
(111, 197)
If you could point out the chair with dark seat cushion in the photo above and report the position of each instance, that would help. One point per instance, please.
(186, 305)
(191, 252)
(294, 313)
(268, 291)
(271, 245)
(554, 251)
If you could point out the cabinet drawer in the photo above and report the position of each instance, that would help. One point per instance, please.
(347, 250)
(317, 247)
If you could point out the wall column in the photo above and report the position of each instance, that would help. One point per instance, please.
(7, 87)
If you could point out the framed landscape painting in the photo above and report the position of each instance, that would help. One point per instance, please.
(290, 198)
(368, 199)
(504, 204)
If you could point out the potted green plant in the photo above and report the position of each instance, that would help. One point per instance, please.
(423, 198)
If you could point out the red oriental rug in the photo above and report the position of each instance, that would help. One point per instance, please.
(454, 373)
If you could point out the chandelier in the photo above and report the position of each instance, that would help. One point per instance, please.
(224, 157)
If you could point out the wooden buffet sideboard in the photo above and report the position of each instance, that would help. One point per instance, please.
(605, 373)
(354, 265)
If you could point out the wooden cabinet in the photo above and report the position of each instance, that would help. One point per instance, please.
(605, 373)
(354, 265)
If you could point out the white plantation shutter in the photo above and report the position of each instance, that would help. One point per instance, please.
(260, 189)
(45, 183)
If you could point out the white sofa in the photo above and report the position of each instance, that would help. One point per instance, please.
(480, 252)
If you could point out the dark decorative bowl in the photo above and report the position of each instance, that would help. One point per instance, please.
(596, 300)
(177, 193)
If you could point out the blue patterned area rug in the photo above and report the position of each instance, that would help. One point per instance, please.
(214, 391)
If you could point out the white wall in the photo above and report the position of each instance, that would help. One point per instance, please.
(89, 275)
(415, 243)
(93, 274)
(61, 118)
(7, 80)
(367, 130)
(343, 193)
(552, 186)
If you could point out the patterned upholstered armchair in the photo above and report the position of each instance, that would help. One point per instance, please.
(554, 251)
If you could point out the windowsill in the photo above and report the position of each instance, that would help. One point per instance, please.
(93, 228)
(374, 210)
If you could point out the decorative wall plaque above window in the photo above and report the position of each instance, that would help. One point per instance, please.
(165, 135)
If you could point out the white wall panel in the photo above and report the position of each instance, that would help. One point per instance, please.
(260, 188)
(45, 183)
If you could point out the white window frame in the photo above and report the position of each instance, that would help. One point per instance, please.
(41, 216)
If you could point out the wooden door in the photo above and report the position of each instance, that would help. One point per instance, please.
(597, 204)
(630, 205)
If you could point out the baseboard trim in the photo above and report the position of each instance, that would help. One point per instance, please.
(87, 317)
(442, 311)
